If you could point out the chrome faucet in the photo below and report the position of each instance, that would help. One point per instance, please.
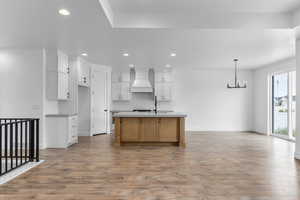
(155, 104)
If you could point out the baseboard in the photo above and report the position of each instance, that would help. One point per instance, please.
(18, 171)
(297, 155)
(201, 132)
(259, 133)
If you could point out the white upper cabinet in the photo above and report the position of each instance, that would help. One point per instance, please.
(163, 76)
(121, 91)
(163, 91)
(57, 67)
(83, 73)
(71, 106)
(163, 85)
(121, 77)
(121, 86)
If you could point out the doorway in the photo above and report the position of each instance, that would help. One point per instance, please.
(100, 98)
(284, 105)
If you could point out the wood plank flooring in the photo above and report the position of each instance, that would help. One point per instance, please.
(213, 166)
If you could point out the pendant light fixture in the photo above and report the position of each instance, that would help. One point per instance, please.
(237, 83)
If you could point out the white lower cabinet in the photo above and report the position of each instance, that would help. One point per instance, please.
(61, 130)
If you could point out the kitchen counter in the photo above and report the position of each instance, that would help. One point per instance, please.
(149, 114)
(61, 115)
(149, 128)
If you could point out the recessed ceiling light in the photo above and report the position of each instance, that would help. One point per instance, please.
(131, 65)
(173, 54)
(125, 54)
(168, 65)
(84, 54)
(64, 12)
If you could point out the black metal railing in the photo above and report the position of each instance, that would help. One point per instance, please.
(19, 142)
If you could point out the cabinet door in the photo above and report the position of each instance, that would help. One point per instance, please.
(163, 76)
(168, 129)
(125, 77)
(62, 62)
(163, 91)
(86, 74)
(116, 91)
(83, 73)
(63, 86)
(125, 91)
(115, 77)
(149, 132)
(130, 129)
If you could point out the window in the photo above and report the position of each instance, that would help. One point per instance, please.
(293, 103)
(284, 104)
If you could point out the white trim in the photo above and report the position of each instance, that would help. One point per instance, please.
(297, 155)
(269, 103)
(108, 11)
(270, 109)
(283, 137)
(17, 172)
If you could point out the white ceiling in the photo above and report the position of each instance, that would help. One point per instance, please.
(202, 13)
(186, 6)
(35, 23)
(201, 48)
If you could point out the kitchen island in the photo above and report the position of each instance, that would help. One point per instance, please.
(149, 128)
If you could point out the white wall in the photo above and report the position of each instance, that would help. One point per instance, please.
(210, 106)
(261, 92)
(21, 80)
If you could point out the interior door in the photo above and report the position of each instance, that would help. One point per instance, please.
(99, 101)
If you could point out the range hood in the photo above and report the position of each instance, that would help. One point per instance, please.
(141, 82)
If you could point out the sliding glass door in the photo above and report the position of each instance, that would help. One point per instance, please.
(284, 104)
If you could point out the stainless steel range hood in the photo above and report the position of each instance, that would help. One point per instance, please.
(141, 82)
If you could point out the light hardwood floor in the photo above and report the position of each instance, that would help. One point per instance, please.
(213, 166)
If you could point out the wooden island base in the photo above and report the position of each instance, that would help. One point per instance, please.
(150, 131)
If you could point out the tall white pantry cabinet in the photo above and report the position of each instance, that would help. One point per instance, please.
(61, 121)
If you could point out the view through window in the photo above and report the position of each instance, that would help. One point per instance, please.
(284, 104)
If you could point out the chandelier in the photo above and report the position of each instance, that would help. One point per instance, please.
(237, 83)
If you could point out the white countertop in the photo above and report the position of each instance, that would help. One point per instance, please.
(61, 115)
(149, 114)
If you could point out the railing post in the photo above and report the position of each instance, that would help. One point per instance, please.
(31, 140)
(37, 148)
(0, 148)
